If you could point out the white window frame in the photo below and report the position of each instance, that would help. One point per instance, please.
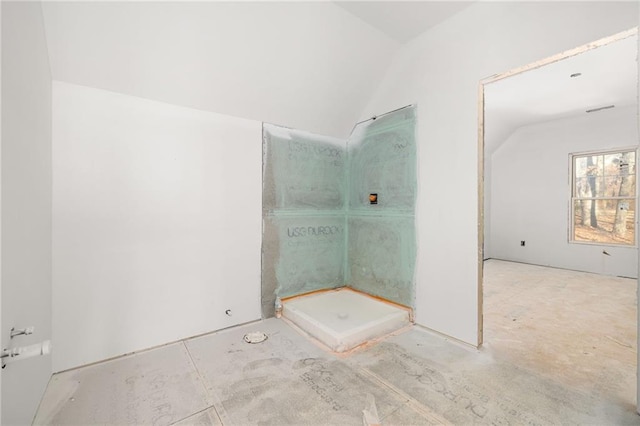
(573, 198)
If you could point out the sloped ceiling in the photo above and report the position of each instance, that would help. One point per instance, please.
(306, 65)
(309, 65)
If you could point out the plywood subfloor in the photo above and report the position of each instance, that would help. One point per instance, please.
(573, 327)
(414, 377)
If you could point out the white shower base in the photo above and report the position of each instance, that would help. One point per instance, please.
(343, 319)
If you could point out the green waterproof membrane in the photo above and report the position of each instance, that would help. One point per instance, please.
(304, 229)
(310, 253)
(382, 161)
(320, 229)
(302, 171)
(381, 257)
(381, 238)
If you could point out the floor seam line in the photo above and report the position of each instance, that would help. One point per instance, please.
(413, 403)
(192, 414)
(203, 383)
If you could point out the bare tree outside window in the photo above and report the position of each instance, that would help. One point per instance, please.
(604, 197)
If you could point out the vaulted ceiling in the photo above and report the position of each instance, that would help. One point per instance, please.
(307, 65)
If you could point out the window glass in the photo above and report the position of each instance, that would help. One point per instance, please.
(604, 197)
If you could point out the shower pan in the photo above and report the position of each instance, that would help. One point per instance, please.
(343, 319)
(339, 243)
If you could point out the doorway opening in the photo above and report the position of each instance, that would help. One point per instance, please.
(510, 212)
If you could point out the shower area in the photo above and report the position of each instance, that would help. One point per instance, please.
(338, 243)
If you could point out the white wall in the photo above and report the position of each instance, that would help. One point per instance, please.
(156, 223)
(26, 204)
(305, 65)
(530, 192)
(440, 71)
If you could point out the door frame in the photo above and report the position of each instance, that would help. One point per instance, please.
(501, 76)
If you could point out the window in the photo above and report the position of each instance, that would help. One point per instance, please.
(603, 195)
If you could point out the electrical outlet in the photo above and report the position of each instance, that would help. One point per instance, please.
(522, 243)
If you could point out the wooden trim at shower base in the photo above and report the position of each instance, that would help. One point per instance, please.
(309, 293)
(364, 345)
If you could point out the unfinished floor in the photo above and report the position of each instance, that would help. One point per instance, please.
(559, 348)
